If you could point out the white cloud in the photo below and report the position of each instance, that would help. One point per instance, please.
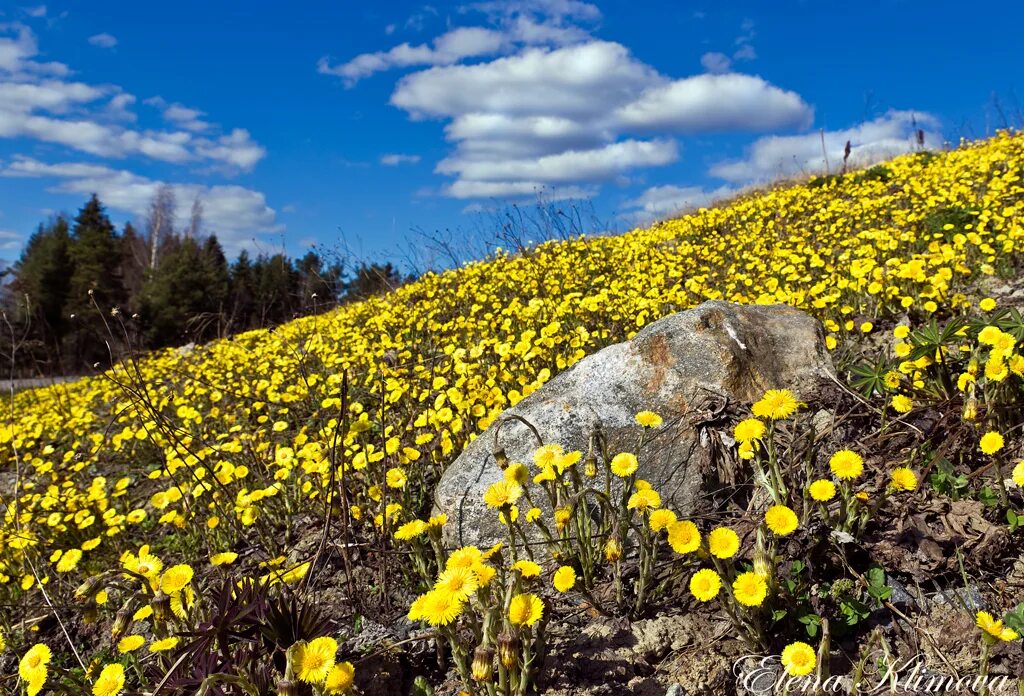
(10, 240)
(36, 12)
(38, 102)
(661, 202)
(745, 52)
(234, 213)
(565, 114)
(103, 40)
(575, 165)
(715, 62)
(393, 159)
(531, 99)
(517, 189)
(467, 42)
(775, 157)
(512, 24)
(717, 103)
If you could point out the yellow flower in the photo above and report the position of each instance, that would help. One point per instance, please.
(660, 519)
(517, 473)
(649, 419)
(995, 627)
(987, 304)
(440, 608)
(798, 659)
(750, 589)
(465, 557)
(776, 404)
(314, 659)
(781, 520)
(395, 477)
(164, 644)
(130, 643)
(705, 585)
(749, 430)
(644, 500)
(989, 335)
(528, 569)
(991, 442)
(69, 560)
(502, 494)
(110, 681)
(341, 678)
(846, 464)
(624, 464)
(723, 542)
(902, 403)
(461, 583)
(175, 578)
(545, 456)
(565, 579)
(1018, 474)
(411, 530)
(903, 479)
(822, 490)
(525, 610)
(32, 667)
(223, 558)
(145, 564)
(683, 537)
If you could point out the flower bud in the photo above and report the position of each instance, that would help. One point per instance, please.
(590, 466)
(762, 558)
(286, 687)
(91, 613)
(161, 606)
(508, 650)
(88, 589)
(612, 550)
(501, 458)
(971, 409)
(122, 620)
(483, 664)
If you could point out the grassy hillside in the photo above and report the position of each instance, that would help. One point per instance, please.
(234, 446)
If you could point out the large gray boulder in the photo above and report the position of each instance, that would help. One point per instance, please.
(683, 367)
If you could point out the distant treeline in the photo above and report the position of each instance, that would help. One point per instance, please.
(82, 292)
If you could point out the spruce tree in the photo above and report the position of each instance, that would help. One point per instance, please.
(95, 282)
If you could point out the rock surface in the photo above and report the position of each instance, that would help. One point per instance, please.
(684, 367)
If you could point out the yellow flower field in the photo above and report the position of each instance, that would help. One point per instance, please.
(204, 453)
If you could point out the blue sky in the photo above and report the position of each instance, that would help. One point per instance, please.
(361, 121)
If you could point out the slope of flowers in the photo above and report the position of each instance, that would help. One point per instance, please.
(228, 441)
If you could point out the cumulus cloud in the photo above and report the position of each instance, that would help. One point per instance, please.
(38, 102)
(718, 103)
(565, 114)
(234, 213)
(511, 25)
(103, 40)
(531, 99)
(774, 157)
(661, 202)
(393, 159)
